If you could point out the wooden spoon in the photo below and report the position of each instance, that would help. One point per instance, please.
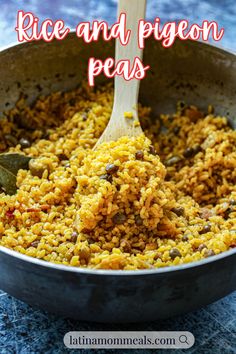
(126, 92)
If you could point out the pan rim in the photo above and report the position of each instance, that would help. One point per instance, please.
(90, 271)
(72, 33)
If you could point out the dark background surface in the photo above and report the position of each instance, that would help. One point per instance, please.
(26, 330)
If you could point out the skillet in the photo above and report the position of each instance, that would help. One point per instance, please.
(195, 72)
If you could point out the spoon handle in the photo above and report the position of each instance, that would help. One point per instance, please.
(126, 92)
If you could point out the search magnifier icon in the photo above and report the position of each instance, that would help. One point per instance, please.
(183, 339)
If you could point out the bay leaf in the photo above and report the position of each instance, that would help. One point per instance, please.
(10, 164)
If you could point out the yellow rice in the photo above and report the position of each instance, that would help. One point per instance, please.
(185, 207)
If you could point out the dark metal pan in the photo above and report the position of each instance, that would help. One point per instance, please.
(198, 73)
